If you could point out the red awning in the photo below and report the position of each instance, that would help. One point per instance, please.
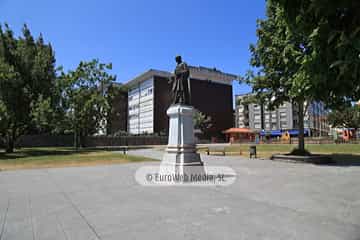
(238, 130)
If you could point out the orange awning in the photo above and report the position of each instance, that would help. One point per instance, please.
(238, 130)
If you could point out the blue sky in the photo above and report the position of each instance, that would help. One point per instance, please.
(136, 35)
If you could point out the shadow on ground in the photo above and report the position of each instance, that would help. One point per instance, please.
(345, 160)
(20, 153)
(25, 153)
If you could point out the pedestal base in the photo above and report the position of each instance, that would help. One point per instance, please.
(180, 155)
(180, 161)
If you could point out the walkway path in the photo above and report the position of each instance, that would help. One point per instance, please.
(269, 200)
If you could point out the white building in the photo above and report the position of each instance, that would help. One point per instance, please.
(141, 105)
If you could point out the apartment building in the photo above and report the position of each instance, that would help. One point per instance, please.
(316, 120)
(259, 117)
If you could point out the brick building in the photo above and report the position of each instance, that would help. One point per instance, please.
(149, 97)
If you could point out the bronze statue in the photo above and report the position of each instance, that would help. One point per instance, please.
(181, 83)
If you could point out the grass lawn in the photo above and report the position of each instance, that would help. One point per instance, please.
(285, 148)
(26, 158)
(341, 153)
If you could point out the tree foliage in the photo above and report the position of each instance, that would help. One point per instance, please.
(116, 95)
(34, 99)
(332, 30)
(278, 56)
(27, 76)
(308, 50)
(346, 117)
(42, 113)
(202, 122)
(84, 94)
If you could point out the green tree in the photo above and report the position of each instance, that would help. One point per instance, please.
(278, 56)
(116, 96)
(27, 75)
(332, 28)
(85, 95)
(41, 112)
(347, 117)
(202, 122)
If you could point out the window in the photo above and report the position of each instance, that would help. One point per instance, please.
(131, 116)
(256, 107)
(148, 92)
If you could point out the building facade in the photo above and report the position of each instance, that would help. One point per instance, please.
(149, 97)
(316, 120)
(259, 117)
(144, 101)
(141, 108)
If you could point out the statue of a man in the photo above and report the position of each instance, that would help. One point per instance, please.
(181, 83)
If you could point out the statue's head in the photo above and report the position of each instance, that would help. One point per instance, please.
(178, 59)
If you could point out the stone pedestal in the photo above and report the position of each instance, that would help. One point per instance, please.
(180, 155)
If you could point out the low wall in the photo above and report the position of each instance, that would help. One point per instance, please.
(308, 140)
(45, 141)
(92, 141)
(125, 141)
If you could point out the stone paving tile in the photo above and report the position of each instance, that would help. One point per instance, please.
(269, 200)
(18, 224)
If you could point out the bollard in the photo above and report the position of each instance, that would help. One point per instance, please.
(252, 151)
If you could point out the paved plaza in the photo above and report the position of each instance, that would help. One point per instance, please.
(269, 200)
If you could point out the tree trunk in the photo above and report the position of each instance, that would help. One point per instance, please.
(262, 116)
(356, 132)
(301, 144)
(76, 139)
(81, 139)
(10, 145)
(10, 141)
